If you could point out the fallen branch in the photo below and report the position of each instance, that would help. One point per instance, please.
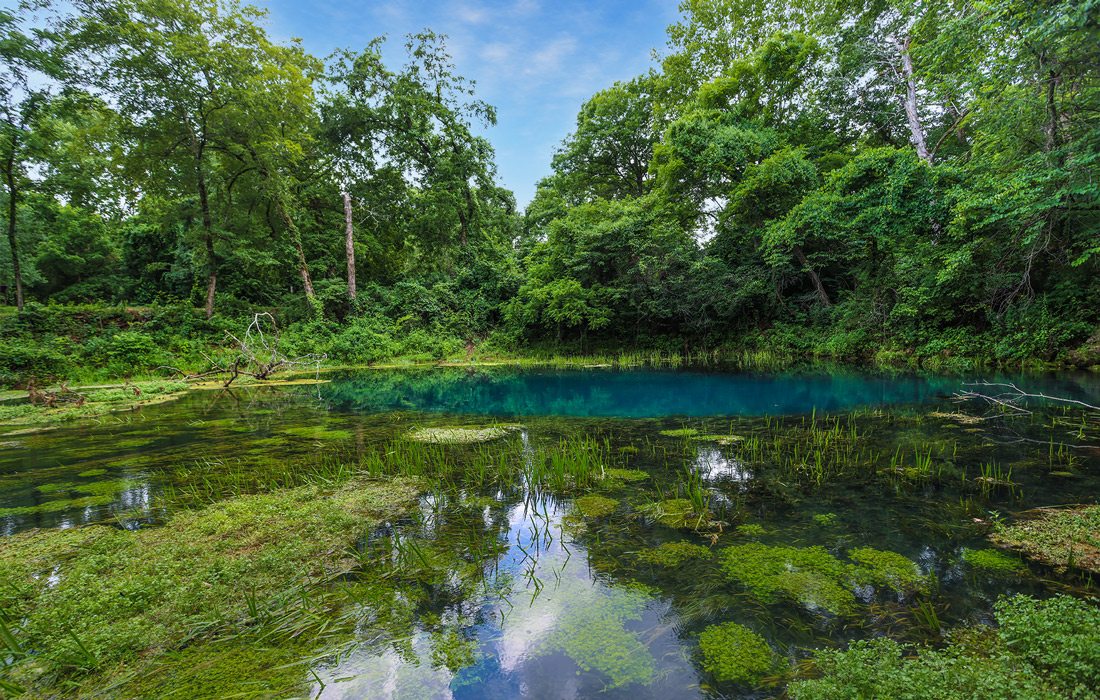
(258, 354)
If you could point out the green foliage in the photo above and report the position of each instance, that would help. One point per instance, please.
(992, 561)
(124, 594)
(883, 569)
(734, 653)
(810, 576)
(1041, 649)
(673, 554)
(1065, 537)
(595, 506)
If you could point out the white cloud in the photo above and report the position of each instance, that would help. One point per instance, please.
(472, 14)
(551, 57)
(497, 53)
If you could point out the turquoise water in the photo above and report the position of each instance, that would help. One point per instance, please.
(552, 599)
(657, 393)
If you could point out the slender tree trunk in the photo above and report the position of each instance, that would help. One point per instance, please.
(912, 115)
(13, 193)
(1050, 129)
(349, 244)
(296, 239)
(207, 227)
(818, 286)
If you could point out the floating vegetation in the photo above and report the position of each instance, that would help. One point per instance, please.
(734, 653)
(458, 436)
(310, 432)
(673, 554)
(826, 519)
(1066, 538)
(60, 505)
(678, 513)
(680, 433)
(810, 576)
(883, 569)
(751, 530)
(627, 475)
(595, 506)
(720, 439)
(992, 561)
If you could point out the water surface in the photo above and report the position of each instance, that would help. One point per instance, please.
(557, 596)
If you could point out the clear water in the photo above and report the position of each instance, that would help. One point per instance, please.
(554, 602)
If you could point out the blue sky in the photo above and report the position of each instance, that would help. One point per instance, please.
(535, 60)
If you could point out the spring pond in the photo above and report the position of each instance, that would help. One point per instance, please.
(591, 526)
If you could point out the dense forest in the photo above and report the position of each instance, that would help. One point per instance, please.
(886, 179)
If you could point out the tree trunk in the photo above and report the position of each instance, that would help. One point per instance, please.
(349, 245)
(296, 239)
(207, 232)
(1050, 129)
(912, 115)
(13, 193)
(818, 286)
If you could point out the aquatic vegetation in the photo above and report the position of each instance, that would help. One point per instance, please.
(89, 473)
(678, 513)
(751, 530)
(720, 439)
(992, 561)
(103, 488)
(673, 554)
(452, 650)
(810, 576)
(883, 569)
(117, 594)
(826, 519)
(55, 487)
(595, 506)
(57, 506)
(458, 436)
(734, 653)
(680, 432)
(318, 432)
(1041, 649)
(626, 475)
(1059, 537)
(590, 631)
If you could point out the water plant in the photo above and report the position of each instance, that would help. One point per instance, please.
(121, 593)
(595, 506)
(673, 554)
(810, 576)
(458, 435)
(751, 530)
(680, 432)
(884, 569)
(992, 561)
(590, 631)
(1041, 649)
(734, 653)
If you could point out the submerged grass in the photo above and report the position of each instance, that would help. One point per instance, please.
(96, 601)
